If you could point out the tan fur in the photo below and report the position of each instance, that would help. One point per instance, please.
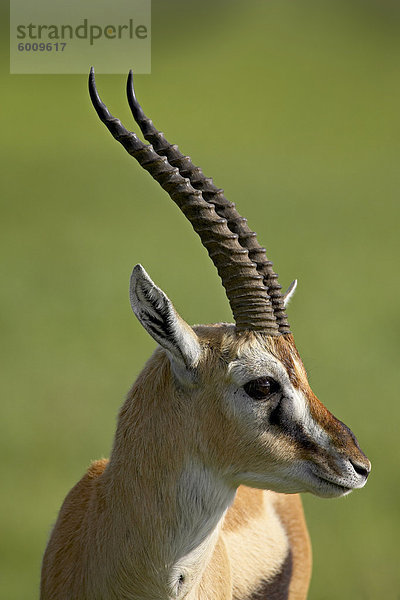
(257, 549)
(216, 583)
(290, 511)
(260, 529)
(249, 504)
(126, 528)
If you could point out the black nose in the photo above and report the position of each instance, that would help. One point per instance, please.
(360, 469)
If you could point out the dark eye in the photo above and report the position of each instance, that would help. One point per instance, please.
(262, 388)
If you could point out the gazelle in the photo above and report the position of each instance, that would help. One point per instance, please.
(216, 437)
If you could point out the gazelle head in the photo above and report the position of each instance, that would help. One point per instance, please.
(256, 418)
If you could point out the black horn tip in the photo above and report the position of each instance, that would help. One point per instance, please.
(94, 96)
(130, 88)
(135, 107)
(92, 82)
(100, 107)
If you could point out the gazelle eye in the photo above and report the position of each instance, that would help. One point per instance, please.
(262, 388)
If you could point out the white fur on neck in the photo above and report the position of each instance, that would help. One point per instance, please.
(202, 499)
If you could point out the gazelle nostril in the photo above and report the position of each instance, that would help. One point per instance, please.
(360, 470)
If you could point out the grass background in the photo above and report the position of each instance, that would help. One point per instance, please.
(293, 107)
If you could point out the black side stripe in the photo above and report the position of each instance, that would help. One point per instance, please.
(278, 587)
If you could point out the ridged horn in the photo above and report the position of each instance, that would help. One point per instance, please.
(247, 295)
(211, 193)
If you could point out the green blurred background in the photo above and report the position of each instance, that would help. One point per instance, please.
(293, 107)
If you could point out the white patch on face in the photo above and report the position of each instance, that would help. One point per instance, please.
(269, 459)
(256, 363)
(259, 363)
(310, 426)
(283, 472)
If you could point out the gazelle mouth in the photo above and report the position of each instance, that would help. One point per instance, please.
(331, 485)
(339, 486)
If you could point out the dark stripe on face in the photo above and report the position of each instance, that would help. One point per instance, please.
(281, 417)
(341, 437)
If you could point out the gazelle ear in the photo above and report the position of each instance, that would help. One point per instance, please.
(288, 295)
(158, 316)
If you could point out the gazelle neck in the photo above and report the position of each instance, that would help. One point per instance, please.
(170, 503)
